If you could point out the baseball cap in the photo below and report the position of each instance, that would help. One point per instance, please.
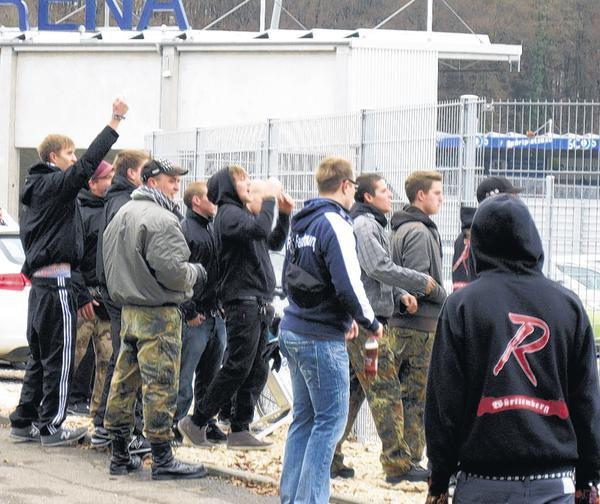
(155, 167)
(495, 185)
(102, 170)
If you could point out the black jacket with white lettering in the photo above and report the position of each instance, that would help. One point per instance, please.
(49, 220)
(513, 385)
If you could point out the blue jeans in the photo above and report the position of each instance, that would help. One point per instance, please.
(320, 386)
(202, 349)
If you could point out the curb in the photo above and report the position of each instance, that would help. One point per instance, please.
(226, 472)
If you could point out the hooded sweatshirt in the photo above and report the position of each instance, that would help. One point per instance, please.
(243, 242)
(117, 195)
(416, 245)
(384, 281)
(327, 251)
(463, 266)
(513, 385)
(50, 226)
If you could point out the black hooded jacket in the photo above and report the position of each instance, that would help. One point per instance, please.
(513, 385)
(90, 208)
(49, 221)
(243, 242)
(198, 233)
(117, 195)
(463, 266)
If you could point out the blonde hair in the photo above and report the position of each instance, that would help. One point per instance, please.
(331, 172)
(53, 143)
(197, 188)
(237, 171)
(420, 181)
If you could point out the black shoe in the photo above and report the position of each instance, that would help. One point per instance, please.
(341, 471)
(414, 474)
(139, 445)
(79, 409)
(214, 434)
(100, 438)
(167, 467)
(122, 462)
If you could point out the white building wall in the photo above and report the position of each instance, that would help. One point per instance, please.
(72, 93)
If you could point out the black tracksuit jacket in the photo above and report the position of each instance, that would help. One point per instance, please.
(243, 242)
(513, 385)
(199, 236)
(49, 221)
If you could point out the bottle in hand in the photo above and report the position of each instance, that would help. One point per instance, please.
(371, 351)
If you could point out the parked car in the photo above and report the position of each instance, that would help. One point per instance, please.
(581, 274)
(14, 293)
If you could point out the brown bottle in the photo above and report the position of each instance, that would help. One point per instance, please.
(371, 351)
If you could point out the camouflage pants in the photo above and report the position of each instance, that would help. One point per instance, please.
(150, 356)
(99, 332)
(384, 397)
(413, 368)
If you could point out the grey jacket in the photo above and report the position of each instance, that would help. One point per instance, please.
(384, 281)
(416, 244)
(146, 256)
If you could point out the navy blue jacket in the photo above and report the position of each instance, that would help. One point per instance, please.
(327, 250)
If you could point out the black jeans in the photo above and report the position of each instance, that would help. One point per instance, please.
(245, 370)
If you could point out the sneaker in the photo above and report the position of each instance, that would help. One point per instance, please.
(63, 437)
(139, 445)
(415, 473)
(25, 434)
(100, 438)
(245, 441)
(177, 440)
(215, 435)
(192, 433)
(79, 409)
(341, 471)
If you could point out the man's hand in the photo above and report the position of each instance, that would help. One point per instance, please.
(119, 109)
(285, 203)
(410, 302)
(379, 333)
(587, 496)
(87, 310)
(353, 332)
(196, 321)
(273, 188)
(431, 284)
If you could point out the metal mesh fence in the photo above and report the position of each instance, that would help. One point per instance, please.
(550, 150)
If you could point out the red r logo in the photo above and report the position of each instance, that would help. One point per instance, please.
(527, 327)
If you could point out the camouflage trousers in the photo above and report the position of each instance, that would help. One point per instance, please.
(384, 397)
(395, 397)
(149, 356)
(99, 332)
(413, 368)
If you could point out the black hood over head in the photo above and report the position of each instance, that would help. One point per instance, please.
(504, 237)
(88, 199)
(364, 208)
(466, 217)
(411, 214)
(221, 189)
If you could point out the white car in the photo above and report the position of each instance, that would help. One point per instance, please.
(14, 293)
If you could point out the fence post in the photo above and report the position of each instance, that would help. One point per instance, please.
(272, 164)
(549, 211)
(361, 147)
(200, 168)
(469, 123)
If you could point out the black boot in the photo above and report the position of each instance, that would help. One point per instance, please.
(122, 462)
(166, 467)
